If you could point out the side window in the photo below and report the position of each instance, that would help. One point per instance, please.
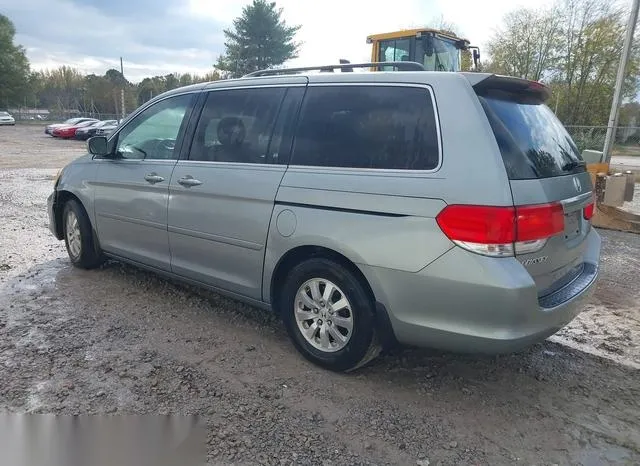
(394, 50)
(383, 127)
(153, 134)
(280, 147)
(236, 125)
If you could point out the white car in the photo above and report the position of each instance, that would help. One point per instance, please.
(6, 119)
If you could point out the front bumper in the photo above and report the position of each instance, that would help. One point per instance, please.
(465, 302)
(53, 217)
(7, 122)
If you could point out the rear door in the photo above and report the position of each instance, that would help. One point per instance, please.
(221, 198)
(544, 167)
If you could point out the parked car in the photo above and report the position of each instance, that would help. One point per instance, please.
(69, 131)
(86, 132)
(6, 119)
(106, 130)
(350, 204)
(70, 122)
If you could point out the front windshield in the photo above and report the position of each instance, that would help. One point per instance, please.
(445, 56)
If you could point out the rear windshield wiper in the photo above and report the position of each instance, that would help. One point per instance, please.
(573, 165)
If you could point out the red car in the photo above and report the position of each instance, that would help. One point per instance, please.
(69, 131)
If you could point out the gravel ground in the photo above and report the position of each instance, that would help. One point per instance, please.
(120, 340)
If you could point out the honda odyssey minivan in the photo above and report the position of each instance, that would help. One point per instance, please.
(445, 210)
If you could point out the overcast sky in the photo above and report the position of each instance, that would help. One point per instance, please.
(163, 36)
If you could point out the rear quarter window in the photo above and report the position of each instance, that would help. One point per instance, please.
(375, 127)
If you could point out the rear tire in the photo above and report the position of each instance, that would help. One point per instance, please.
(329, 315)
(78, 237)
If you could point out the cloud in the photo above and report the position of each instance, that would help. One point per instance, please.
(153, 37)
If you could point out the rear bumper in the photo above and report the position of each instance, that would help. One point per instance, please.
(465, 302)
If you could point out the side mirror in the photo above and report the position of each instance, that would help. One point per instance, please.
(98, 145)
(476, 57)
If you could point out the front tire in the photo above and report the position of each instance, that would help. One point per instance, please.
(78, 237)
(329, 315)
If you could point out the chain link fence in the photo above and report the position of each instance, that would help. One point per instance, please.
(627, 141)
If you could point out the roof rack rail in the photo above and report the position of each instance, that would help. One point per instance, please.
(344, 67)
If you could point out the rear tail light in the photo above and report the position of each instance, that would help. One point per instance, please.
(588, 211)
(501, 231)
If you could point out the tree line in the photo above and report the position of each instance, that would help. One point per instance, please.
(67, 88)
(259, 38)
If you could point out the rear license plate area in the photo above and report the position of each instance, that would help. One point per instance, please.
(572, 225)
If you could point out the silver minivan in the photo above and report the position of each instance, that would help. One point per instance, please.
(445, 210)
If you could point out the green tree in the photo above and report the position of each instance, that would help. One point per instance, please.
(630, 114)
(260, 39)
(14, 66)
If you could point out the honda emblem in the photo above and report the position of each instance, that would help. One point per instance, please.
(577, 184)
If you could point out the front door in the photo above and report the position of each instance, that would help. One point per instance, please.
(132, 185)
(222, 197)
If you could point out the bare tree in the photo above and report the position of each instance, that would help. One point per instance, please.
(575, 48)
(591, 47)
(527, 44)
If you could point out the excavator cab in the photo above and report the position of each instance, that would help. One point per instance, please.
(436, 50)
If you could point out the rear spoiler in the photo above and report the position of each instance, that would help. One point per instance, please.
(518, 88)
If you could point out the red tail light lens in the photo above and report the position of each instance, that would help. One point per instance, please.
(539, 221)
(501, 231)
(478, 224)
(588, 211)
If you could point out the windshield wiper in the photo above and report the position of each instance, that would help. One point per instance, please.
(573, 165)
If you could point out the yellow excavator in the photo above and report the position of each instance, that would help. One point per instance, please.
(435, 49)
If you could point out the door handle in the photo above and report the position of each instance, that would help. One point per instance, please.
(153, 178)
(188, 181)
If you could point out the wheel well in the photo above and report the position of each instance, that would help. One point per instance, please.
(62, 198)
(302, 253)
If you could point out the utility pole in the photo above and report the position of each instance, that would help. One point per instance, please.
(122, 90)
(617, 93)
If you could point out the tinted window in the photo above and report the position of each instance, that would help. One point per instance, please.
(367, 127)
(236, 125)
(280, 147)
(533, 142)
(153, 133)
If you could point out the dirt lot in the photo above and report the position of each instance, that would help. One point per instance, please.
(119, 340)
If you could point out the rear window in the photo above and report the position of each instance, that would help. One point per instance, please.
(381, 127)
(533, 142)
